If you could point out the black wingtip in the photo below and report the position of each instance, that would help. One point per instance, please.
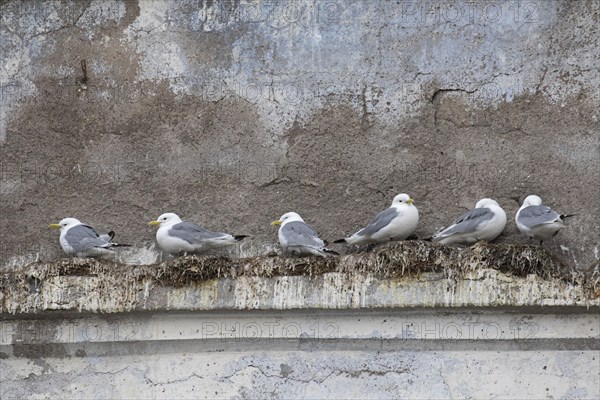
(240, 237)
(111, 234)
(567, 216)
(428, 239)
(335, 253)
(340, 241)
(120, 245)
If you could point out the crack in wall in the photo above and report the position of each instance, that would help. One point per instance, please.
(170, 382)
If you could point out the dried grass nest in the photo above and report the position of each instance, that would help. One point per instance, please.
(393, 261)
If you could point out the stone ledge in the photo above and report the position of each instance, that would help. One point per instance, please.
(399, 275)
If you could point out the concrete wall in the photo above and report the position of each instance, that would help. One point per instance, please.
(232, 113)
(384, 354)
(87, 329)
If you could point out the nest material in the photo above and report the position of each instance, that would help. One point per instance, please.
(394, 260)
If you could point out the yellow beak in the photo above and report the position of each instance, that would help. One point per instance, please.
(276, 223)
(410, 201)
(54, 226)
(153, 223)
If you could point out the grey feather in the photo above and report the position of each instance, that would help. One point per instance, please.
(535, 215)
(193, 233)
(380, 221)
(469, 221)
(83, 237)
(108, 236)
(298, 233)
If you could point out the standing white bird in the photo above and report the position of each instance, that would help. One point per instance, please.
(175, 236)
(485, 222)
(397, 222)
(538, 222)
(298, 239)
(77, 239)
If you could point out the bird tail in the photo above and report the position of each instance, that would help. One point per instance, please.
(240, 237)
(428, 239)
(567, 216)
(335, 253)
(119, 245)
(340, 241)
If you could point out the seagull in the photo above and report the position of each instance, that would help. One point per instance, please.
(175, 236)
(77, 239)
(397, 222)
(538, 222)
(298, 239)
(485, 222)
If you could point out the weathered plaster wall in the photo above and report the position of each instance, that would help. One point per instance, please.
(396, 323)
(463, 353)
(232, 113)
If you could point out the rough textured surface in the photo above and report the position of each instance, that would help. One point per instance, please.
(379, 354)
(466, 353)
(516, 323)
(232, 113)
(407, 274)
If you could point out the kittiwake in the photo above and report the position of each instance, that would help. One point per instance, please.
(175, 236)
(485, 222)
(538, 222)
(77, 239)
(298, 239)
(397, 222)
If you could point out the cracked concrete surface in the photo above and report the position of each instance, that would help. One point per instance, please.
(411, 319)
(376, 354)
(232, 113)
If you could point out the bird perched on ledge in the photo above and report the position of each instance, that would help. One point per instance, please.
(397, 222)
(298, 239)
(485, 222)
(175, 236)
(538, 222)
(77, 239)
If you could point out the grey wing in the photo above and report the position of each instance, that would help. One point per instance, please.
(83, 237)
(535, 215)
(380, 221)
(469, 221)
(300, 234)
(193, 233)
(108, 236)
